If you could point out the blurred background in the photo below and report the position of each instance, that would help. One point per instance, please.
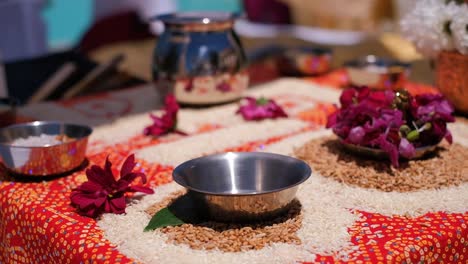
(40, 36)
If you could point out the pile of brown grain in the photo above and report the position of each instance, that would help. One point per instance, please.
(446, 167)
(233, 237)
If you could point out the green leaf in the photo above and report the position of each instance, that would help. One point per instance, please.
(405, 129)
(163, 218)
(262, 101)
(413, 135)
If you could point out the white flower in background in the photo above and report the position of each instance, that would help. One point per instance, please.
(427, 26)
(459, 28)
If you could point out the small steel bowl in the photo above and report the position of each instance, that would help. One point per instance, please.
(377, 73)
(242, 186)
(46, 160)
(305, 61)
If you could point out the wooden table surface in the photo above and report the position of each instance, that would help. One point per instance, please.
(138, 54)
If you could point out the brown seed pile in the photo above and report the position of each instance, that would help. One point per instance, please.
(233, 237)
(448, 166)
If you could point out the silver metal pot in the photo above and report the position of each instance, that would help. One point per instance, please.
(199, 58)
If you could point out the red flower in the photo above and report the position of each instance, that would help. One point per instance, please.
(102, 193)
(262, 108)
(167, 122)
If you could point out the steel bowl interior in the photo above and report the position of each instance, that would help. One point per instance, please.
(241, 173)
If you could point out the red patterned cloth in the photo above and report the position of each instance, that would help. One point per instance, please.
(38, 224)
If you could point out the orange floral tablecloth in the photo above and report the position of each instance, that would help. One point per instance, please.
(38, 225)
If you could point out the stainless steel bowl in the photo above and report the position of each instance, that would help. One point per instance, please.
(243, 186)
(44, 160)
(377, 73)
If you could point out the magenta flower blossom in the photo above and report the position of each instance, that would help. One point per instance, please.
(167, 122)
(356, 135)
(224, 87)
(102, 193)
(436, 110)
(259, 109)
(396, 123)
(189, 85)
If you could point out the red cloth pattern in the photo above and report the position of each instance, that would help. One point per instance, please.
(38, 224)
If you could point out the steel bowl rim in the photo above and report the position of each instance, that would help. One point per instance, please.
(306, 177)
(39, 123)
(384, 63)
(196, 17)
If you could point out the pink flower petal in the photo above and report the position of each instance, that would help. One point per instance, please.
(90, 212)
(141, 189)
(107, 207)
(448, 136)
(117, 205)
(167, 121)
(109, 175)
(82, 200)
(94, 174)
(406, 149)
(390, 148)
(127, 166)
(348, 97)
(89, 187)
(130, 177)
(356, 135)
(253, 110)
(98, 202)
(87, 204)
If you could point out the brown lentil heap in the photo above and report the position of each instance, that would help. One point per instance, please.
(233, 237)
(448, 166)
